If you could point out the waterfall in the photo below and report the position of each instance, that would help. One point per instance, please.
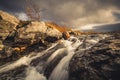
(25, 60)
(32, 74)
(61, 70)
(60, 54)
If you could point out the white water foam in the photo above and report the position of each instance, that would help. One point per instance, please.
(57, 52)
(61, 70)
(24, 60)
(32, 74)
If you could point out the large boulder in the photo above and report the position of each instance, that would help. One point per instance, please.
(8, 23)
(62, 29)
(16, 35)
(31, 33)
(36, 31)
(101, 62)
(5, 28)
(8, 17)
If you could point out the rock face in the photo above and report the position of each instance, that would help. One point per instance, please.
(9, 18)
(8, 23)
(5, 29)
(33, 33)
(17, 35)
(102, 62)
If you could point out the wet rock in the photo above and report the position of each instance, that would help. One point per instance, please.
(66, 35)
(6, 52)
(16, 74)
(101, 62)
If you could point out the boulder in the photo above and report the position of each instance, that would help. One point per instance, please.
(1, 45)
(16, 35)
(101, 62)
(66, 35)
(8, 23)
(33, 32)
(64, 30)
(8, 17)
(5, 28)
(36, 31)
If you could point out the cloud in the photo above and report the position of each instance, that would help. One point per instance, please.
(22, 16)
(73, 13)
(100, 16)
(13, 5)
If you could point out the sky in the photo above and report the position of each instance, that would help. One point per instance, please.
(72, 13)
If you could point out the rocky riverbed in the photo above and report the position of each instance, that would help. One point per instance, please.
(101, 62)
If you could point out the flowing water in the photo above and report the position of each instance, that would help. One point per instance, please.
(58, 56)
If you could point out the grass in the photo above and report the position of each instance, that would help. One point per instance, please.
(60, 28)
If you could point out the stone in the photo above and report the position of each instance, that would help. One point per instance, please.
(36, 31)
(101, 62)
(8, 17)
(33, 32)
(5, 29)
(63, 29)
(1, 45)
(18, 37)
(8, 23)
(66, 35)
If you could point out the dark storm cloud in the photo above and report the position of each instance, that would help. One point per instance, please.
(12, 5)
(110, 2)
(72, 12)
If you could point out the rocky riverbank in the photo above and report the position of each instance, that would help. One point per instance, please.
(101, 62)
(18, 37)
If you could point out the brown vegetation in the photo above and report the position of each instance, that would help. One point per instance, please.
(65, 30)
(60, 28)
(33, 11)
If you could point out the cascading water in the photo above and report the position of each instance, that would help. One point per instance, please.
(61, 70)
(33, 74)
(59, 53)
